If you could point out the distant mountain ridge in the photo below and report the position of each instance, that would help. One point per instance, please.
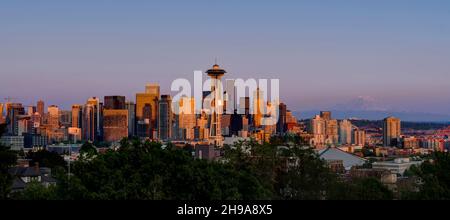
(377, 115)
(366, 107)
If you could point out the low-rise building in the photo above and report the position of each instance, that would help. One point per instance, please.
(15, 142)
(333, 154)
(397, 166)
(24, 175)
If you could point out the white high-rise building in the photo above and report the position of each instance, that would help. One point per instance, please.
(345, 132)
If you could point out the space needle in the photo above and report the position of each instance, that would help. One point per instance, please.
(215, 136)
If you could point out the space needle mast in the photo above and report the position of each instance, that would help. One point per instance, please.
(215, 136)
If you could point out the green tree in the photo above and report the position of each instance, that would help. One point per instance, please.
(7, 159)
(434, 178)
(87, 151)
(360, 189)
(46, 158)
(37, 191)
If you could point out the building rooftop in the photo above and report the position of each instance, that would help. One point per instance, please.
(349, 160)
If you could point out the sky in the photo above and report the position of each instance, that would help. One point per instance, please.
(325, 53)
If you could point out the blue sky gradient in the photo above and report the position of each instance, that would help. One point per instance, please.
(323, 52)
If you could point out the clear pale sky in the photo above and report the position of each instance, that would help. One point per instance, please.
(324, 52)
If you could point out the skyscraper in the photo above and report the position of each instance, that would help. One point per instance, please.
(331, 130)
(325, 115)
(98, 112)
(244, 106)
(165, 118)
(65, 118)
(216, 74)
(230, 97)
(31, 110)
(236, 123)
(89, 124)
(77, 116)
(186, 118)
(24, 124)
(152, 88)
(53, 116)
(258, 107)
(391, 130)
(359, 137)
(115, 119)
(14, 110)
(131, 107)
(144, 100)
(115, 124)
(281, 124)
(41, 107)
(2, 120)
(345, 132)
(317, 129)
(114, 102)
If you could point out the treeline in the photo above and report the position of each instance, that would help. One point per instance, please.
(404, 124)
(247, 171)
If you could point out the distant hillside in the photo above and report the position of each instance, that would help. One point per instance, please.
(378, 115)
(405, 124)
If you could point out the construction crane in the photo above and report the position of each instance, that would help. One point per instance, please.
(9, 99)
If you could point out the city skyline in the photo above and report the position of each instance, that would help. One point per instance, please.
(394, 56)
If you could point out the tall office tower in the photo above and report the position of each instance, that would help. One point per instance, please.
(131, 107)
(2, 119)
(225, 122)
(391, 130)
(318, 126)
(77, 116)
(65, 118)
(206, 99)
(290, 118)
(258, 107)
(98, 107)
(114, 102)
(359, 137)
(36, 120)
(317, 129)
(245, 125)
(89, 123)
(270, 127)
(331, 131)
(281, 123)
(216, 74)
(236, 123)
(24, 125)
(345, 132)
(115, 124)
(145, 103)
(152, 88)
(14, 110)
(165, 118)
(143, 126)
(31, 110)
(115, 119)
(53, 116)
(202, 131)
(143, 100)
(325, 115)
(41, 107)
(231, 102)
(186, 118)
